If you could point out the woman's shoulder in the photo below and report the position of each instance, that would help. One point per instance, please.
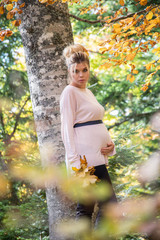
(67, 93)
(67, 90)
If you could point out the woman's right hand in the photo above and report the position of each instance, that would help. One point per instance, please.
(108, 149)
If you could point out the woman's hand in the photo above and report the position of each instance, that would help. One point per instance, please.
(108, 149)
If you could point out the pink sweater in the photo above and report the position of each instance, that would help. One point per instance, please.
(76, 106)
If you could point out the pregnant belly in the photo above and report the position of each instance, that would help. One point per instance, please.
(89, 140)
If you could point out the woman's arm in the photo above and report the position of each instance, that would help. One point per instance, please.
(68, 111)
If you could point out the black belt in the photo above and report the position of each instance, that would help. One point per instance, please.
(87, 123)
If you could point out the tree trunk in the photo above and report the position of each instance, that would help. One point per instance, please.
(45, 32)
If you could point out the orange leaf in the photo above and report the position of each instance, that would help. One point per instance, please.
(148, 66)
(10, 15)
(2, 35)
(130, 57)
(1, 10)
(9, 7)
(16, 22)
(22, 5)
(121, 2)
(106, 65)
(135, 71)
(8, 33)
(143, 2)
(132, 79)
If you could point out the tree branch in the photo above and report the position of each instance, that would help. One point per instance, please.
(17, 119)
(132, 116)
(112, 21)
(104, 21)
(86, 20)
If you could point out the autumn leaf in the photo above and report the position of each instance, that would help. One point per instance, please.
(135, 71)
(143, 2)
(43, 1)
(121, 2)
(149, 15)
(22, 5)
(9, 7)
(75, 169)
(103, 50)
(10, 15)
(132, 79)
(148, 66)
(16, 23)
(145, 87)
(130, 57)
(86, 173)
(5, 33)
(1, 10)
(105, 65)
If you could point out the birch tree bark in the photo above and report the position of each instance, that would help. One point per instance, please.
(45, 32)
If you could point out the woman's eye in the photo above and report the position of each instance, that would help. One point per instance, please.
(76, 71)
(85, 70)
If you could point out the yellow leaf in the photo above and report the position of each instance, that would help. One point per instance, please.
(149, 15)
(116, 25)
(103, 50)
(1, 10)
(132, 79)
(106, 65)
(121, 2)
(156, 50)
(148, 66)
(75, 169)
(9, 7)
(43, 1)
(125, 44)
(135, 71)
(130, 57)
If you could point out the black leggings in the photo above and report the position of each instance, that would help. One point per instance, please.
(86, 210)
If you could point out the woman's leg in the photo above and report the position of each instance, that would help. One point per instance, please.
(102, 173)
(84, 210)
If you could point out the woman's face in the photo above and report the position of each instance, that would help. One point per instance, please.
(79, 74)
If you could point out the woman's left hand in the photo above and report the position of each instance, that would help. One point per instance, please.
(108, 149)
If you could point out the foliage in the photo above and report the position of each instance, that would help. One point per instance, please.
(131, 29)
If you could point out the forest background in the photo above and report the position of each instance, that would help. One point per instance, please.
(130, 94)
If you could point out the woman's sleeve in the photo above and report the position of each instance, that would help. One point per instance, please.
(68, 111)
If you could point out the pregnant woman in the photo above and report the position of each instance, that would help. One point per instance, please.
(82, 129)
